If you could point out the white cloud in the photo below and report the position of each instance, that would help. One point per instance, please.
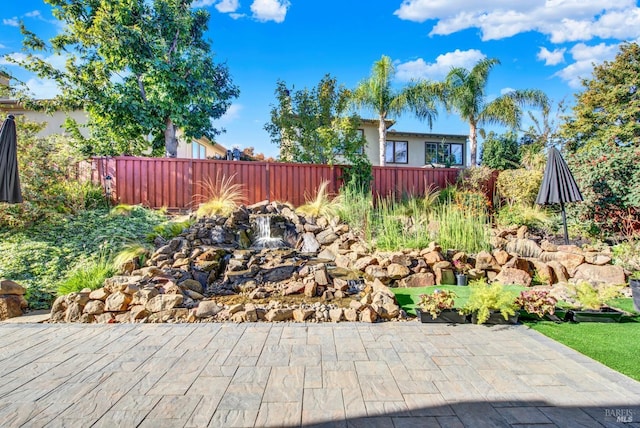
(237, 15)
(33, 14)
(585, 57)
(506, 90)
(2, 46)
(57, 61)
(270, 10)
(420, 69)
(11, 22)
(203, 3)
(42, 89)
(554, 57)
(232, 113)
(228, 6)
(561, 20)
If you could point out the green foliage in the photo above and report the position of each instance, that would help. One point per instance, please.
(627, 255)
(359, 173)
(223, 196)
(461, 229)
(156, 75)
(591, 297)
(322, 204)
(606, 112)
(534, 217)
(537, 302)
(437, 301)
(476, 179)
(465, 92)
(87, 274)
(609, 179)
(38, 257)
(48, 180)
(358, 212)
(377, 94)
(485, 298)
(519, 186)
(171, 229)
(501, 151)
(313, 126)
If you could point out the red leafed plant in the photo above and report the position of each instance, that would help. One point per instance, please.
(537, 302)
(437, 302)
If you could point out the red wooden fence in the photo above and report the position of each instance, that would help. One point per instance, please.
(182, 183)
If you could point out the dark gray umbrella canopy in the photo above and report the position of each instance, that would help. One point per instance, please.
(9, 179)
(558, 186)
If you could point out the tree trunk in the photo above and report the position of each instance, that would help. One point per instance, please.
(382, 140)
(473, 144)
(170, 140)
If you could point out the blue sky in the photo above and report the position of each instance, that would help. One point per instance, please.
(547, 45)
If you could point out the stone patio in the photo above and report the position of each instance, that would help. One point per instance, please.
(395, 374)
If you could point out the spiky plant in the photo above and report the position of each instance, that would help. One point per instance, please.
(171, 229)
(131, 252)
(322, 205)
(222, 195)
(122, 209)
(87, 274)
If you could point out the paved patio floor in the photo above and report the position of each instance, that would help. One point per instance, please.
(348, 374)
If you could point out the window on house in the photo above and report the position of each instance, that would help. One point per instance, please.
(397, 152)
(444, 153)
(198, 151)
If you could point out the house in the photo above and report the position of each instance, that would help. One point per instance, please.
(201, 148)
(414, 149)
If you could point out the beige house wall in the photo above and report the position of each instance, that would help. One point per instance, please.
(415, 144)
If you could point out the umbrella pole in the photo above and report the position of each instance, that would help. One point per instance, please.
(564, 223)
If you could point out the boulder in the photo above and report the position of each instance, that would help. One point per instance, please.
(543, 271)
(163, 302)
(11, 306)
(309, 243)
(99, 294)
(426, 279)
(192, 284)
(300, 314)
(8, 287)
(294, 288)
(501, 256)
(141, 297)
(94, 307)
(378, 272)
(310, 288)
(335, 315)
(433, 257)
(569, 260)
(559, 271)
(282, 314)
(485, 261)
(512, 276)
(444, 276)
(608, 274)
(597, 259)
(523, 248)
(363, 262)
(368, 315)
(207, 308)
(397, 271)
(117, 302)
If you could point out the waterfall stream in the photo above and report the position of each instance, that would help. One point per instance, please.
(263, 234)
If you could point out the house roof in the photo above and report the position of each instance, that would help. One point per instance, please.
(388, 122)
(426, 135)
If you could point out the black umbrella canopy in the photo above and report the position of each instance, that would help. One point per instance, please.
(558, 186)
(9, 179)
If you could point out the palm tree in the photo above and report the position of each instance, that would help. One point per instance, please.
(465, 93)
(376, 93)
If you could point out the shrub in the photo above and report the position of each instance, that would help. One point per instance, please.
(534, 217)
(321, 204)
(501, 151)
(437, 302)
(609, 180)
(223, 196)
(519, 186)
(485, 298)
(87, 274)
(399, 225)
(461, 229)
(591, 297)
(476, 179)
(538, 302)
(359, 211)
(170, 229)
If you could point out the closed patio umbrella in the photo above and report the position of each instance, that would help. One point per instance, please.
(9, 180)
(558, 186)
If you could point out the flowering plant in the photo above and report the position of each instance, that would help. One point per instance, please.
(437, 301)
(537, 302)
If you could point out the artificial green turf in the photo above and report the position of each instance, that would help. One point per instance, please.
(615, 345)
(408, 298)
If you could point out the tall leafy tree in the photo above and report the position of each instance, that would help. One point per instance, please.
(607, 111)
(377, 94)
(465, 93)
(140, 68)
(501, 151)
(313, 125)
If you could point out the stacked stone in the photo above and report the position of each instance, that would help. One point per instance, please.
(12, 301)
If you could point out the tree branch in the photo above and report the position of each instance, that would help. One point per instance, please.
(173, 46)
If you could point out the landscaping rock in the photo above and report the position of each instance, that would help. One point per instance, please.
(569, 260)
(8, 287)
(163, 302)
(485, 261)
(117, 302)
(11, 306)
(397, 271)
(608, 274)
(512, 276)
(94, 307)
(208, 308)
(418, 280)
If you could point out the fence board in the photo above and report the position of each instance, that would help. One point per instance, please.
(184, 183)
